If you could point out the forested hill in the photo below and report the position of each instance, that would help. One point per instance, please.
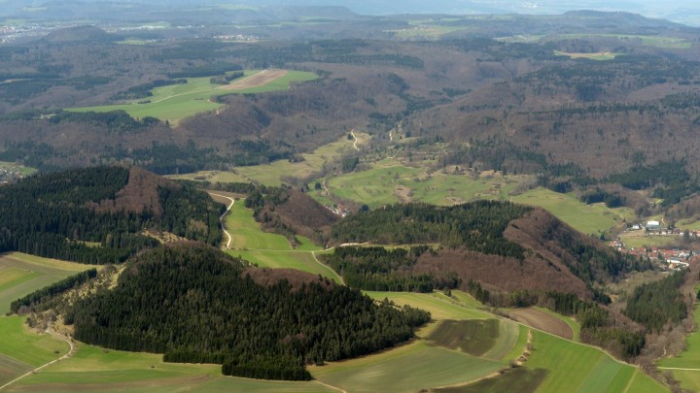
(196, 304)
(502, 245)
(98, 215)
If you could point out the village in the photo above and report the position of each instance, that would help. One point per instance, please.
(671, 258)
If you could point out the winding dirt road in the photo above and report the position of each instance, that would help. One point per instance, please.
(228, 208)
(66, 356)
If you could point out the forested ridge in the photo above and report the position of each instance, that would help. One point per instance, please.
(476, 226)
(55, 214)
(195, 304)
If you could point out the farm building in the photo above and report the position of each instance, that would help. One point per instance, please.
(653, 225)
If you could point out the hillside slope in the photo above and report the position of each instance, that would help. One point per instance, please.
(97, 215)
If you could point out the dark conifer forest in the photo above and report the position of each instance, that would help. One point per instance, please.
(195, 304)
(56, 215)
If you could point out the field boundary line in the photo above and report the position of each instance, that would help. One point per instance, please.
(201, 91)
(66, 356)
(221, 218)
(678, 368)
(330, 386)
(629, 383)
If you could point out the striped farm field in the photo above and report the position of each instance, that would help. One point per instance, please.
(580, 368)
(409, 368)
(22, 274)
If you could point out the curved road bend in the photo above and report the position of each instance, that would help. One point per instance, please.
(228, 208)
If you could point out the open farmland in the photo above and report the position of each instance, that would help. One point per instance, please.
(22, 274)
(601, 56)
(595, 370)
(176, 102)
(23, 350)
(93, 369)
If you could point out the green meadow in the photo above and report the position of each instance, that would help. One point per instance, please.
(269, 249)
(588, 219)
(574, 367)
(176, 102)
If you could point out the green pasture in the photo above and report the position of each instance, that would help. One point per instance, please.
(588, 219)
(576, 367)
(269, 249)
(247, 235)
(638, 240)
(176, 102)
(22, 274)
(408, 368)
(94, 369)
(651, 40)
(28, 347)
(384, 181)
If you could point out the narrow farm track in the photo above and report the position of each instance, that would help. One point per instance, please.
(330, 386)
(223, 226)
(66, 356)
(354, 144)
(340, 278)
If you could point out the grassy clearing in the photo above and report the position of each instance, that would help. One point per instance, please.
(269, 249)
(176, 102)
(475, 337)
(96, 369)
(22, 274)
(575, 367)
(247, 235)
(584, 218)
(689, 379)
(405, 369)
(27, 347)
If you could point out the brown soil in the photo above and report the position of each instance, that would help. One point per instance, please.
(270, 277)
(260, 79)
(543, 321)
(139, 195)
(302, 214)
